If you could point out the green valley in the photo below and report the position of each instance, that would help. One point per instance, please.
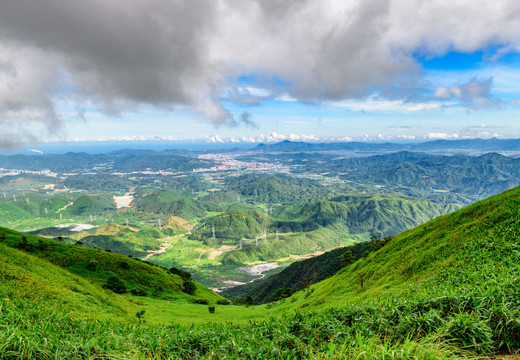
(374, 258)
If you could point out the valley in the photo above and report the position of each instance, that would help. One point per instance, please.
(299, 253)
(206, 212)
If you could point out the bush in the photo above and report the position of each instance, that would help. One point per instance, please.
(202, 301)
(282, 293)
(184, 274)
(223, 302)
(138, 291)
(211, 309)
(124, 265)
(189, 287)
(91, 266)
(116, 285)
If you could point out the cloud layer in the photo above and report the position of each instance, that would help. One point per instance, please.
(111, 54)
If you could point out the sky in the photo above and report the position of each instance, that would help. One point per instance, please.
(246, 71)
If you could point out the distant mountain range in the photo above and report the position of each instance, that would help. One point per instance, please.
(481, 145)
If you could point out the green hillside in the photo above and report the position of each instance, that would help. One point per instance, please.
(300, 274)
(389, 215)
(170, 202)
(447, 289)
(275, 189)
(88, 205)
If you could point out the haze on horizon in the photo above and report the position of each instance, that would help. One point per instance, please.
(258, 70)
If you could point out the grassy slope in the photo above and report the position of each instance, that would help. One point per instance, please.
(57, 277)
(454, 278)
(420, 253)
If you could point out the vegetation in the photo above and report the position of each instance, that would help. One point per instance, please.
(446, 289)
(299, 275)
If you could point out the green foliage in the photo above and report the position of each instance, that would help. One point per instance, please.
(183, 274)
(232, 224)
(139, 291)
(309, 271)
(282, 293)
(116, 285)
(360, 214)
(275, 189)
(171, 202)
(98, 266)
(136, 244)
(140, 315)
(202, 301)
(87, 205)
(347, 258)
(189, 287)
(211, 309)
(223, 302)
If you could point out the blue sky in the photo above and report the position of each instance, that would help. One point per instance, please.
(369, 118)
(258, 71)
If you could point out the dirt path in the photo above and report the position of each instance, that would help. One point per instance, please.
(200, 256)
(166, 245)
(216, 253)
(66, 206)
(162, 249)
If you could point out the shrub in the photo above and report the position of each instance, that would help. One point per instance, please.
(184, 274)
(140, 315)
(223, 302)
(211, 309)
(202, 301)
(116, 285)
(282, 293)
(138, 291)
(91, 266)
(42, 245)
(470, 332)
(124, 265)
(189, 287)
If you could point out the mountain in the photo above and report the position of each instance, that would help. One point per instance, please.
(88, 205)
(123, 161)
(170, 202)
(477, 145)
(299, 274)
(72, 277)
(472, 177)
(275, 189)
(447, 289)
(294, 146)
(389, 215)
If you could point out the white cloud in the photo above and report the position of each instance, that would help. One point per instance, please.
(439, 136)
(381, 105)
(215, 139)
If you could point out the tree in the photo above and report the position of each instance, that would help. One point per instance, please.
(116, 285)
(140, 315)
(377, 242)
(189, 287)
(347, 258)
(305, 284)
(282, 293)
